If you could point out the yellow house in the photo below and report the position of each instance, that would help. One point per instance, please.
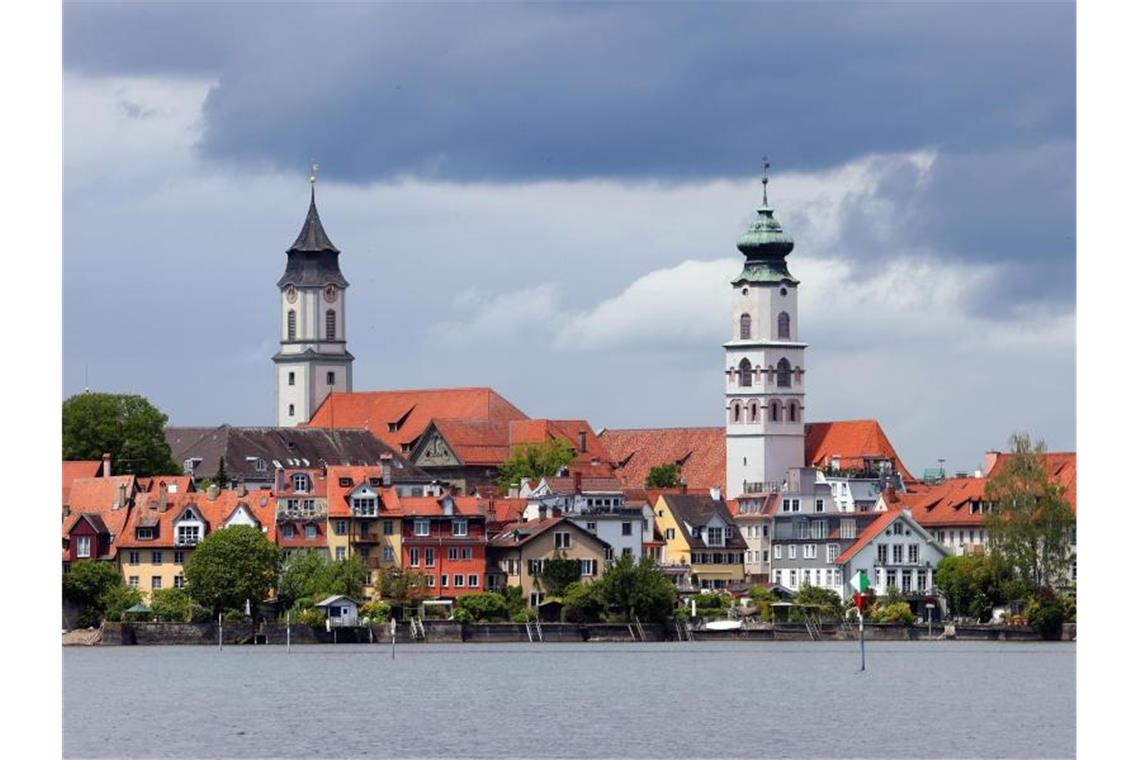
(364, 521)
(516, 556)
(700, 535)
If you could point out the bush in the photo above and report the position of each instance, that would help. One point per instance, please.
(523, 616)
(582, 603)
(89, 617)
(310, 616)
(462, 616)
(827, 603)
(1046, 612)
(170, 605)
(200, 614)
(117, 599)
(484, 607)
(377, 611)
(712, 604)
(898, 612)
(233, 616)
(762, 599)
(513, 596)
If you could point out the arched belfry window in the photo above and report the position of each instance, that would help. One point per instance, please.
(745, 372)
(792, 411)
(774, 410)
(784, 325)
(292, 326)
(330, 325)
(745, 326)
(784, 374)
(736, 411)
(752, 417)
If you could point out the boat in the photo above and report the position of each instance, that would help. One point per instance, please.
(724, 625)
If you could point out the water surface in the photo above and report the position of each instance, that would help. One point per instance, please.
(710, 699)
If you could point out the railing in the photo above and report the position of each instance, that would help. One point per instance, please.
(766, 486)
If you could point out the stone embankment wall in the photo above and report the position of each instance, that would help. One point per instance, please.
(449, 631)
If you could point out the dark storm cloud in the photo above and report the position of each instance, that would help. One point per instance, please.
(510, 92)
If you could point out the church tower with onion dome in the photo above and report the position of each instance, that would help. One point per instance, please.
(764, 363)
(313, 360)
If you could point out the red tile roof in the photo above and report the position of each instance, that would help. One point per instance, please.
(399, 417)
(874, 528)
(532, 529)
(99, 496)
(476, 442)
(75, 469)
(432, 506)
(260, 504)
(338, 495)
(700, 451)
(851, 441)
(572, 431)
(1061, 466)
(501, 510)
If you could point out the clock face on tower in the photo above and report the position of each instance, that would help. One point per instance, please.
(330, 293)
(291, 294)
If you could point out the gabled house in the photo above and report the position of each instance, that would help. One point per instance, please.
(445, 541)
(517, 555)
(893, 550)
(595, 503)
(81, 469)
(95, 519)
(364, 519)
(700, 534)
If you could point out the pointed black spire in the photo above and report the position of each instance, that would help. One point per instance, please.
(312, 236)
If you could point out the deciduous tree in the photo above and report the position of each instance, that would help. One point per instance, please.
(230, 566)
(638, 589)
(534, 460)
(663, 476)
(1030, 523)
(558, 573)
(129, 427)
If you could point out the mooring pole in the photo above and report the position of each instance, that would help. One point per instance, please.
(219, 631)
(288, 632)
(862, 649)
(392, 628)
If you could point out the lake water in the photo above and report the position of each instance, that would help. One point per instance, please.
(716, 699)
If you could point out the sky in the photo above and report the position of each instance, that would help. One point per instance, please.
(545, 199)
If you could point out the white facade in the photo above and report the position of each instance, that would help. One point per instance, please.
(903, 555)
(764, 366)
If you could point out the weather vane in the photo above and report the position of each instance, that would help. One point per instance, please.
(313, 167)
(765, 180)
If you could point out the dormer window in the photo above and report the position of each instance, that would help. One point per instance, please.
(287, 531)
(301, 482)
(364, 506)
(716, 536)
(459, 527)
(188, 535)
(345, 482)
(375, 482)
(423, 527)
(144, 534)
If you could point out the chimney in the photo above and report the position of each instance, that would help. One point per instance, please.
(683, 486)
(212, 492)
(386, 469)
(122, 500)
(106, 473)
(241, 489)
(991, 460)
(578, 482)
(279, 479)
(541, 511)
(581, 441)
(714, 494)
(161, 504)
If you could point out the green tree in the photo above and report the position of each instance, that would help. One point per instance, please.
(558, 573)
(762, 598)
(171, 605)
(826, 603)
(87, 580)
(230, 566)
(220, 476)
(663, 476)
(1030, 523)
(485, 607)
(582, 603)
(301, 577)
(402, 587)
(534, 460)
(973, 584)
(638, 589)
(513, 596)
(712, 604)
(127, 426)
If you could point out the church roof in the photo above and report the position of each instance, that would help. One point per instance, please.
(312, 236)
(312, 258)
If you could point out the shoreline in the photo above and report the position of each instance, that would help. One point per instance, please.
(451, 632)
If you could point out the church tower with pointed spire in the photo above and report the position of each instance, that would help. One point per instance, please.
(313, 360)
(764, 363)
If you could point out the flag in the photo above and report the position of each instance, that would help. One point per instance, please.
(860, 582)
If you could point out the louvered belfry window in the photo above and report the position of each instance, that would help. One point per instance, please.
(292, 325)
(330, 325)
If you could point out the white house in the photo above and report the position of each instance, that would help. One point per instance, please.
(597, 505)
(894, 550)
(340, 611)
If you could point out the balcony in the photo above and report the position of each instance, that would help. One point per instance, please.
(766, 486)
(365, 538)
